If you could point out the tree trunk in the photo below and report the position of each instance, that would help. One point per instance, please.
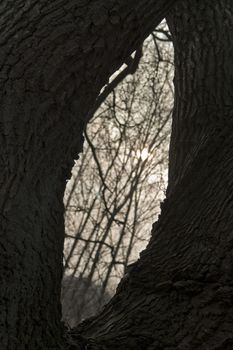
(179, 294)
(55, 57)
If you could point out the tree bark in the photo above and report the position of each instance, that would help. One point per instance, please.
(55, 57)
(179, 294)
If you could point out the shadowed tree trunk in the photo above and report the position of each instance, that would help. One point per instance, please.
(55, 57)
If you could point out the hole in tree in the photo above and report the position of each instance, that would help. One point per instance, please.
(118, 183)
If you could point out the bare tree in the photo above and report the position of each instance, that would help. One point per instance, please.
(124, 164)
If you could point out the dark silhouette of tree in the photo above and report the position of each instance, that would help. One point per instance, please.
(55, 58)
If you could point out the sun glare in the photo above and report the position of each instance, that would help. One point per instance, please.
(142, 154)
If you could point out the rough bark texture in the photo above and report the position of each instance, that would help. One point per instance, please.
(179, 294)
(55, 57)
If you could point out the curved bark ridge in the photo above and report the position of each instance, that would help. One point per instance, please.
(179, 294)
